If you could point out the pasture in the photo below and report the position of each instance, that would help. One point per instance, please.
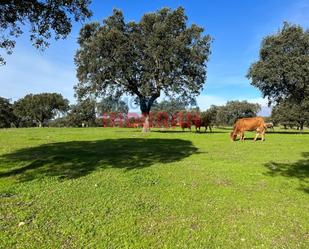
(118, 188)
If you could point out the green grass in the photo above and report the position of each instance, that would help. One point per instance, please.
(118, 188)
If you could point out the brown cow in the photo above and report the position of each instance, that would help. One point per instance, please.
(184, 125)
(249, 124)
(198, 123)
(135, 125)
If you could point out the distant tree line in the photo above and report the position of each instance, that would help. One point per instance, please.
(291, 115)
(226, 115)
(52, 109)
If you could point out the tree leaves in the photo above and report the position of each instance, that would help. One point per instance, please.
(40, 107)
(158, 54)
(282, 70)
(7, 116)
(46, 18)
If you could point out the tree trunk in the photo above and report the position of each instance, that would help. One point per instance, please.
(146, 126)
(145, 105)
(301, 126)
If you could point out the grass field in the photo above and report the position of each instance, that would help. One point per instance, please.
(118, 188)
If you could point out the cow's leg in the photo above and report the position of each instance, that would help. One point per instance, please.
(242, 136)
(263, 135)
(256, 136)
(210, 128)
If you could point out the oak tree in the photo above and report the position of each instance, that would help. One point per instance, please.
(233, 110)
(40, 107)
(83, 113)
(160, 54)
(282, 71)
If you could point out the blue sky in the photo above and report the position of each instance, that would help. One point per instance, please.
(237, 28)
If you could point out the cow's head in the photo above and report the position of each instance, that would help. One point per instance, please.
(233, 136)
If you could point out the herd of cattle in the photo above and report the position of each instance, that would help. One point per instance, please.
(185, 121)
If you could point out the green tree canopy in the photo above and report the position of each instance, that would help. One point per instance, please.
(159, 54)
(282, 71)
(40, 107)
(45, 17)
(110, 104)
(288, 113)
(83, 112)
(170, 106)
(7, 116)
(210, 114)
(233, 110)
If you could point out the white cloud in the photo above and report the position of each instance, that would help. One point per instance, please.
(205, 101)
(27, 72)
(261, 101)
(265, 109)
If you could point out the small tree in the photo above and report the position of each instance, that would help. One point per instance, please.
(45, 18)
(241, 109)
(233, 110)
(40, 107)
(159, 54)
(82, 113)
(211, 114)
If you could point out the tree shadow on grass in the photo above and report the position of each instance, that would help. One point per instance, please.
(299, 170)
(186, 131)
(289, 132)
(78, 158)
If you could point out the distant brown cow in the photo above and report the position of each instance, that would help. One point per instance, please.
(249, 124)
(198, 122)
(135, 125)
(184, 125)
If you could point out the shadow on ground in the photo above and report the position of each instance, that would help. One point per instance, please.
(192, 131)
(252, 138)
(78, 158)
(298, 169)
(288, 132)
